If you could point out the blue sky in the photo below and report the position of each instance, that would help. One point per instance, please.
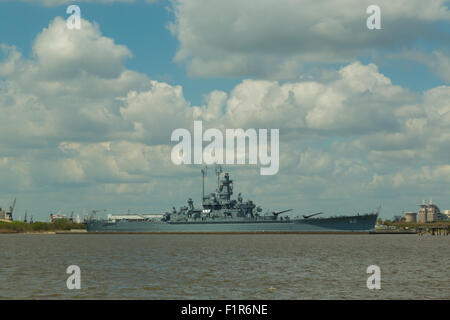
(363, 114)
(140, 26)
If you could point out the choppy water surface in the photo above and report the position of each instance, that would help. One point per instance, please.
(224, 266)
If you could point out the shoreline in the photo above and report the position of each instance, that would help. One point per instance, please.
(20, 232)
(84, 232)
(43, 232)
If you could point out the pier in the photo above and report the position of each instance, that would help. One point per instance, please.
(434, 230)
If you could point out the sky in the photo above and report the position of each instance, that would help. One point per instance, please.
(87, 115)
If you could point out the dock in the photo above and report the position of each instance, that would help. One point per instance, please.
(435, 230)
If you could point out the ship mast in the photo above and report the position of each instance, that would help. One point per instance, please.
(218, 172)
(204, 173)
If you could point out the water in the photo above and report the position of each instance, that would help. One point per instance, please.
(224, 266)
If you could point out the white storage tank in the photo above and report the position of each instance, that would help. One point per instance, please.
(411, 217)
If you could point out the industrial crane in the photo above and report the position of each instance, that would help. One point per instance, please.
(94, 212)
(9, 215)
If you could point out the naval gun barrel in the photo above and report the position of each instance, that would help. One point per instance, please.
(312, 215)
(276, 213)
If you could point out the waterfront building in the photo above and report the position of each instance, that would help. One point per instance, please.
(411, 217)
(447, 213)
(433, 212)
(422, 215)
(54, 217)
(135, 217)
(430, 213)
(2, 214)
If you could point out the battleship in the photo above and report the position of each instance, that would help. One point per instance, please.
(222, 214)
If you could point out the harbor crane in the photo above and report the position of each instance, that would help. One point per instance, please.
(94, 212)
(9, 214)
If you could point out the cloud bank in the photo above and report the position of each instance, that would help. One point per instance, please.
(80, 129)
(277, 40)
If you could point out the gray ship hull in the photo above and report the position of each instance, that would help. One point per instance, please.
(359, 223)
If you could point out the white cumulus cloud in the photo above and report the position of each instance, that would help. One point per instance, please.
(267, 39)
